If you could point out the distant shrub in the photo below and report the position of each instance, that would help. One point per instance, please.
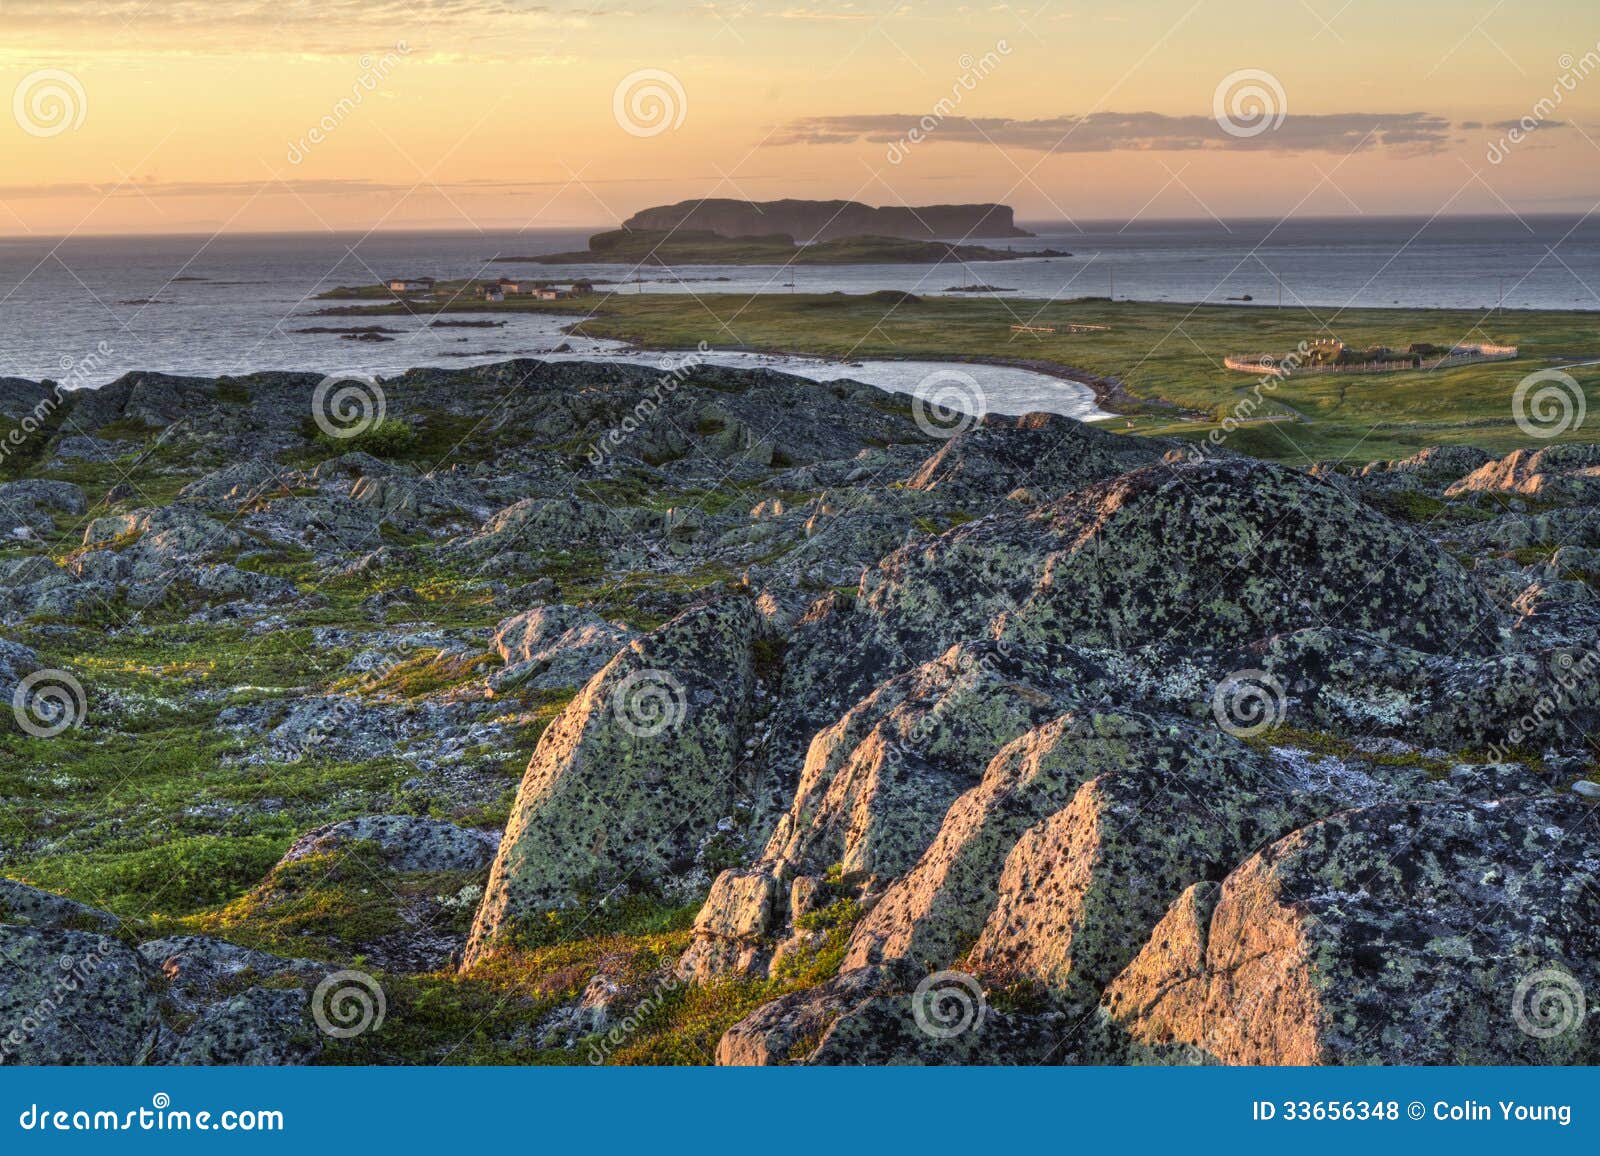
(390, 438)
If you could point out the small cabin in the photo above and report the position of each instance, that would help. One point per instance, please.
(548, 294)
(411, 285)
(491, 293)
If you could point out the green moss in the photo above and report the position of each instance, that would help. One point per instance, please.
(390, 438)
(821, 959)
(635, 914)
(179, 876)
(232, 392)
(324, 903)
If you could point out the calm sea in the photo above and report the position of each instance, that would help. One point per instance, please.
(235, 304)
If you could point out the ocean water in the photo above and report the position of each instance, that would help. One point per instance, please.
(237, 303)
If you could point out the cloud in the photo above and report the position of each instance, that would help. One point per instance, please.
(1525, 123)
(303, 188)
(1343, 132)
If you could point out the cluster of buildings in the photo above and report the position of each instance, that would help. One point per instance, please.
(497, 290)
(1330, 355)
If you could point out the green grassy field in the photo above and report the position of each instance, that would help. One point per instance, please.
(1169, 354)
(1168, 357)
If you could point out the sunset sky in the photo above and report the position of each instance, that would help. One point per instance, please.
(193, 116)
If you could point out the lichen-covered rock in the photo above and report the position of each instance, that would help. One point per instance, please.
(403, 842)
(637, 774)
(321, 524)
(1050, 454)
(200, 970)
(243, 482)
(1431, 468)
(31, 505)
(30, 907)
(938, 909)
(74, 997)
(148, 544)
(555, 646)
(885, 1029)
(1406, 933)
(1569, 526)
(876, 784)
(16, 663)
(787, 1029)
(1230, 551)
(1081, 890)
(1353, 683)
(547, 524)
(891, 1015)
(1569, 471)
(258, 1027)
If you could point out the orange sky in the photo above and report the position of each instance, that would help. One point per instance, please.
(144, 116)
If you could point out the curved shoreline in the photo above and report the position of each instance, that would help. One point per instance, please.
(1111, 397)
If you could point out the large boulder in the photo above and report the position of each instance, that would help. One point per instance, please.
(30, 907)
(74, 997)
(1450, 932)
(555, 646)
(402, 843)
(1046, 454)
(876, 785)
(940, 907)
(29, 507)
(1228, 552)
(639, 775)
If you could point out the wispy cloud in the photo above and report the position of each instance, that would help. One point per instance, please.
(1343, 132)
(302, 188)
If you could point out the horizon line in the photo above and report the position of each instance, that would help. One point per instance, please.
(1074, 224)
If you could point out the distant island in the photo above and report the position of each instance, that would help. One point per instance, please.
(810, 221)
(630, 246)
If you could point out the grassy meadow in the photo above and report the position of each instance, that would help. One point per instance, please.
(1167, 357)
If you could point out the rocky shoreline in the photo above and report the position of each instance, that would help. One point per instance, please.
(574, 713)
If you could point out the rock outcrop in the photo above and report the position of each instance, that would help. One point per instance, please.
(641, 777)
(1409, 933)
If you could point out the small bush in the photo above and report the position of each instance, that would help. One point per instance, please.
(390, 438)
